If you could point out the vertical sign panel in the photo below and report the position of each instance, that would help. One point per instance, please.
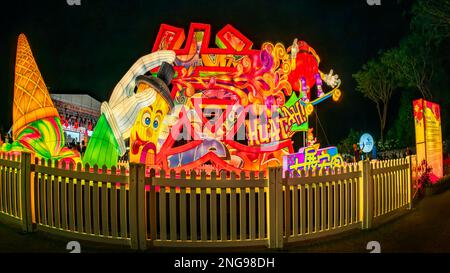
(427, 121)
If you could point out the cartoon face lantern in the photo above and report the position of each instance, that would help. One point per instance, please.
(147, 127)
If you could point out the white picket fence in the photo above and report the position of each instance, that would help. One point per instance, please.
(391, 186)
(157, 209)
(316, 204)
(82, 202)
(205, 211)
(11, 188)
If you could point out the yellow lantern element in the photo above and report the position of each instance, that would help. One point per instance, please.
(147, 127)
(337, 95)
(309, 109)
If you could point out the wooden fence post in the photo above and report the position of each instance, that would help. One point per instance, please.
(271, 209)
(275, 209)
(141, 215)
(366, 195)
(409, 181)
(25, 192)
(152, 208)
(133, 199)
(279, 206)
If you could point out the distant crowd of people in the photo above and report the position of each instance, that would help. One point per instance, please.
(75, 122)
(7, 139)
(358, 154)
(77, 146)
(74, 117)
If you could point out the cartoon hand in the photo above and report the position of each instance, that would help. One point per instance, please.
(331, 80)
(294, 49)
(124, 105)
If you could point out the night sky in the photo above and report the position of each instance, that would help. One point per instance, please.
(87, 48)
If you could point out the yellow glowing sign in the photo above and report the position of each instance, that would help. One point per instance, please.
(427, 121)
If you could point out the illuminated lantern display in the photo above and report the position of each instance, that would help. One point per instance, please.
(366, 143)
(235, 107)
(305, 70)
(311, 159)
(228, 107)
(120, 113)
(147, 128)
(36, 124)
(427, 119)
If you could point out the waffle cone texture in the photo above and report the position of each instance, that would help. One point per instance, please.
(31, 97)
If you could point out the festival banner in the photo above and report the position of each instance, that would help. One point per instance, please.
(427, 121)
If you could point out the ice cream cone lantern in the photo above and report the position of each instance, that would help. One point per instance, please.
(31, 98)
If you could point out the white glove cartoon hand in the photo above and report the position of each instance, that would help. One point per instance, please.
(331, 80)
(124, 105)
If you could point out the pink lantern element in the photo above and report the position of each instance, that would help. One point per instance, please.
(270, 100)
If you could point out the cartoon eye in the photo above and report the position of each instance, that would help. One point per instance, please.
(146, 119)
(156, 123)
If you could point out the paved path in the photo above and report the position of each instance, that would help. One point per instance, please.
(425, 229)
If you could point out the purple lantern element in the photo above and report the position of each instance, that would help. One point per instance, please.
(266, 60)
(311, 158)
(318, 79)
(208, 145)
(304, 86)
(305, 97)
(319, 83)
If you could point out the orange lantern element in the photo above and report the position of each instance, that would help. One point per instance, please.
(311, 138)
(31, 98)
